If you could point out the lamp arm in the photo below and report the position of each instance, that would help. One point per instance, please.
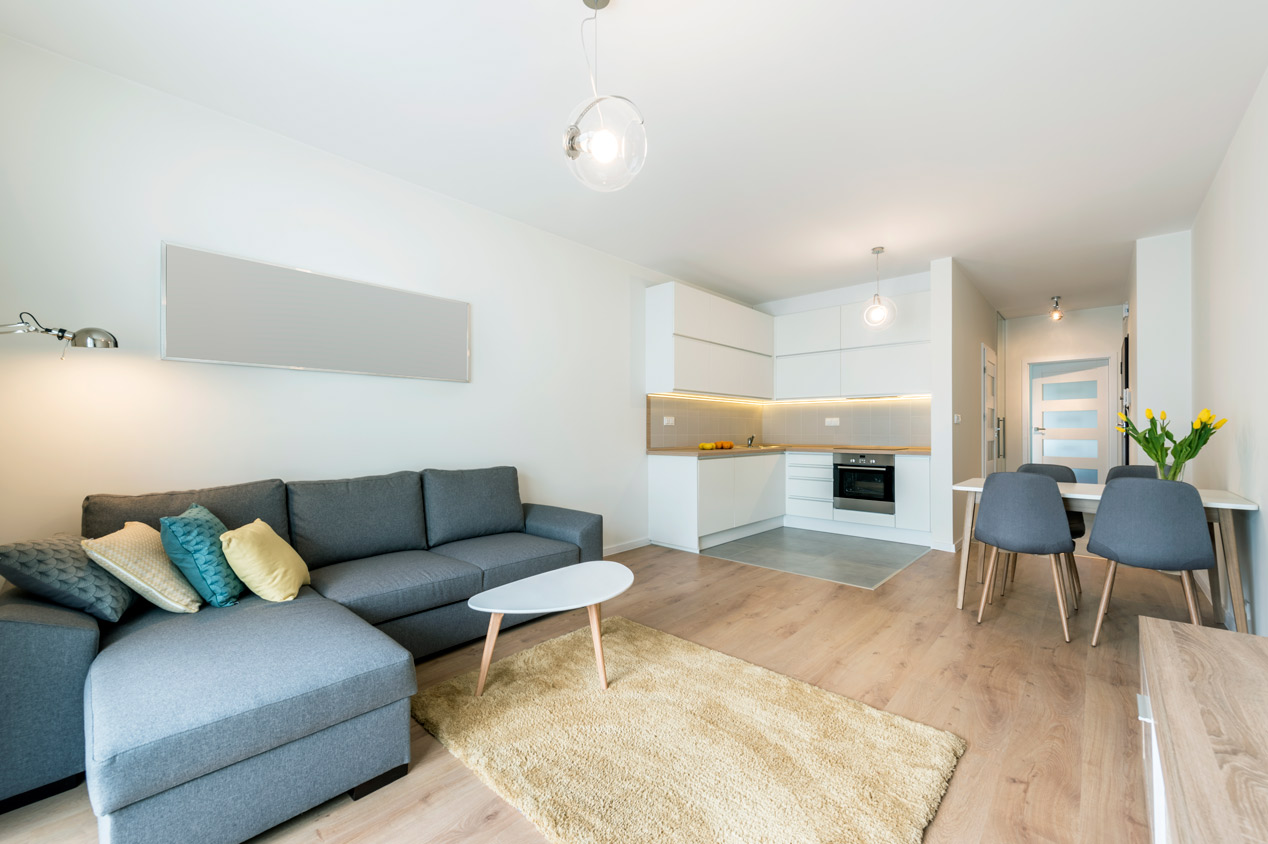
(17, 328)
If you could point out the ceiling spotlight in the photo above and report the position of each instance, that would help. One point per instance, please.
(1056, 314)
(606, 141)
(880, 312)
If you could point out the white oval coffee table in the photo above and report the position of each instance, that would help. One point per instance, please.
(571, 587)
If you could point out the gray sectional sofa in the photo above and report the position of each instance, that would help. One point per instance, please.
(217, 725)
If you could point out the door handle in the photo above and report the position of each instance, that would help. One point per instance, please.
(1040, 430)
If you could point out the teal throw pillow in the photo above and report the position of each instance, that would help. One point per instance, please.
(192, 540)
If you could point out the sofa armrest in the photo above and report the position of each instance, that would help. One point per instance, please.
(585, 530)
(45, 651)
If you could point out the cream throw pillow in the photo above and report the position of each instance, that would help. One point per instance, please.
(135, 555)
(264, 561)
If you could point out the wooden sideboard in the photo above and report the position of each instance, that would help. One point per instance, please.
(1204, 713)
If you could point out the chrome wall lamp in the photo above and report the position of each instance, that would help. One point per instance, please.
(84, 338)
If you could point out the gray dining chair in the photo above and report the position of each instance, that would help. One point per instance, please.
(1132, 472)
(1022, 513)
(1078, 527)
(1151, 524)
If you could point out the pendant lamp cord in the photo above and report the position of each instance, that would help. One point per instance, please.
(592, 67)
(878, 273)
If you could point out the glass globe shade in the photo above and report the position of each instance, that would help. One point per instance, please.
(606, 143)
(880, 312)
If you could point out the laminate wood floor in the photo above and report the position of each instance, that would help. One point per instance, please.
(1054, 745)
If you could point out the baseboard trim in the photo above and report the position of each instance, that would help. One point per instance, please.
(35, 795)
(609, 550)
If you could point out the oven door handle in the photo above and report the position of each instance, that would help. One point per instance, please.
(864, 468)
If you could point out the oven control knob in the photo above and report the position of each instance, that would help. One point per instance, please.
(873, 460)
(851, 459)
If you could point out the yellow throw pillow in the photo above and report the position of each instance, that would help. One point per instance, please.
(135, 555)
(264, 561)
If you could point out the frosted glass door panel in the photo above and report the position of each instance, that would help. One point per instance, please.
(1070, 419)
(1069, 448)
(1087, 476)
(219, 309)
(1069, 390)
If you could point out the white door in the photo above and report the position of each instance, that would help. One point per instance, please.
(1070, 419)
(990, 429)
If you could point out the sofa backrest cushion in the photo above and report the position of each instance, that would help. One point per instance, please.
(236, 505)
(335, 521)
(471, 502)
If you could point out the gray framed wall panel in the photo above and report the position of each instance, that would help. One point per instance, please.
(220, 309)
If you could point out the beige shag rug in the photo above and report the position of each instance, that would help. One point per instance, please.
(687, 745)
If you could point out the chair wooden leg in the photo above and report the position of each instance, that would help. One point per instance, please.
(1110, 571)
(1064, 575)
(1012, 567)
(1056, 581)
(986, 585)
(1068, 561)
(1002, 576)
(1074, 569)
(1190, 597)
(981, 559)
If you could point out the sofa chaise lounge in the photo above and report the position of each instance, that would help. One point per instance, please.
(217, 725)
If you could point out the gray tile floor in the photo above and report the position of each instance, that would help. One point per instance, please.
(866, 563)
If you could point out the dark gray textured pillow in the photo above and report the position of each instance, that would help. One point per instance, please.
(335, 521)
(471, 502)
(58, 569)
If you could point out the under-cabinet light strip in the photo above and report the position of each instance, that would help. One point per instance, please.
(772, 402)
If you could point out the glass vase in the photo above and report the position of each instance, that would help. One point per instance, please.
(1165, 472)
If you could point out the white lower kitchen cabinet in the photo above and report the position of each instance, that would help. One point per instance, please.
(911, 492)
(721, 497)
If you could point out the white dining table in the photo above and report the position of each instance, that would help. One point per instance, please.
(1220, 505)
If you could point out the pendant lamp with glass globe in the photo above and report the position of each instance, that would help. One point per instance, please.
(880, 312)
(605, 142)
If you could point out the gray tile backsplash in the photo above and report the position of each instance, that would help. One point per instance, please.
(890, 422)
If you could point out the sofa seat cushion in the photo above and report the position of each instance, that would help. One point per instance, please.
(399, 584)
(505, 557)
(171, 698)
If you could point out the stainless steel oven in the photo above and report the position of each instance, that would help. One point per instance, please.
(863, 482)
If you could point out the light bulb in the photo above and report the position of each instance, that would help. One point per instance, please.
(603, 146)
(876, 312)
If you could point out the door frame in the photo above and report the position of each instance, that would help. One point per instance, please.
(994, 423)
(1113, 377)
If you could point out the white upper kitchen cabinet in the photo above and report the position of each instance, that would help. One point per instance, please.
(808, 331)
(886, 370)
(808, 376)
(910, 325)
(700, 343)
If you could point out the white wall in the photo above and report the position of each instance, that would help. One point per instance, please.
(972, 325)
(1164, 334)
(1079, 335)
(890, 287)
(1230, 351)
(95, 172)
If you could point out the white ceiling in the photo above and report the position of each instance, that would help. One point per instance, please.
(1032, 141)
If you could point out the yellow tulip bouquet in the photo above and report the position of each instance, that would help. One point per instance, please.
(1159, 444)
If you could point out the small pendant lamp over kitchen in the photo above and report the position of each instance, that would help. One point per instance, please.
(1056, 313)
(880, 312)
(605, 142)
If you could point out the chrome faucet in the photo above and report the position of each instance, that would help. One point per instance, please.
(750, 442)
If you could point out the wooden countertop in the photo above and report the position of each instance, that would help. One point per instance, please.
(743, 451)
(1208, 690)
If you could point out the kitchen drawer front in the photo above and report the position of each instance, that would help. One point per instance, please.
(804, 459)
(809, 508)
(863, 517)
(812, 473)
(802, 487)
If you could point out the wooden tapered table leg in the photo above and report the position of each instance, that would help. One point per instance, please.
(596, 633)
(495, 624)
(1191, 598)
(970, 501)
(1233, 570)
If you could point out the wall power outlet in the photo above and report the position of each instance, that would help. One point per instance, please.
(832, 421)
(669, 420)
